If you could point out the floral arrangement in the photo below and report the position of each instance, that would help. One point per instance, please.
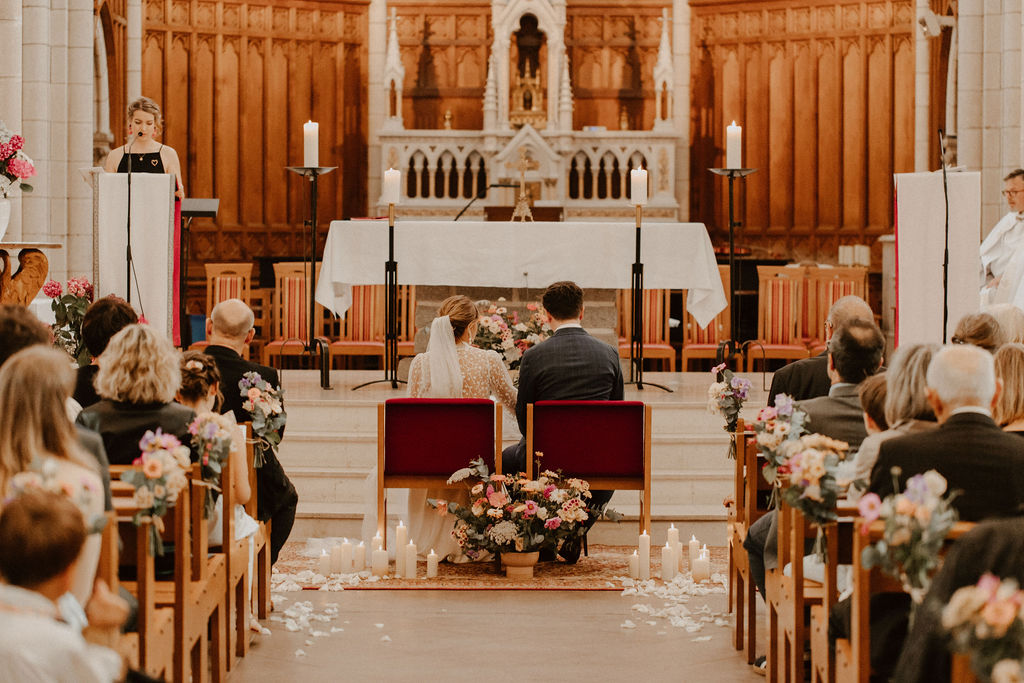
(987, 621)
(773, 429)
(916, 524)
(263, 403)
(810, 469)
(510, 513)
(158, 476)
(211, 441)
(509, 335)
(726, 396)
(68, 312)
(15, 165)
(42, 476)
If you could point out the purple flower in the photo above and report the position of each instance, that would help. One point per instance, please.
(917, 489)
(784, 404)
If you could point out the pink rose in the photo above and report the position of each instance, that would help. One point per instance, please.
(53, 289)
(869, 506)
(553, 523)
(531, 307)
(253, 394)
(548, 490)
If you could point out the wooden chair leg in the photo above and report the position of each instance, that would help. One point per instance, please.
(741, 610)
(751, 622)
(218, 649)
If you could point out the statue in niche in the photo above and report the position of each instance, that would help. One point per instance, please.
(527, 101)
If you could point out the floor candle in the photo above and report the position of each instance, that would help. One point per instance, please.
(345, 560)
(668, 563)
(694, 550)
(377, 543)
(359, 557)
(410, 561)
(644, 572)
(679, 556)
(379, 562)
(401, 538)
(325, 563)
(702, 568)
(673, 535)
(432, 564)
(634, 565)
(336, 559)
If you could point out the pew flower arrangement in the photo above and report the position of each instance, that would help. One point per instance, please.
(504, 331)
(510, 513)
(810, 470)
(985, 621)
(15, 165)
(68, 312)
(263, 403)
(726, 396)
(159, 475)
(211, 442)
(42, 476)
(774, 429)
(916, 524)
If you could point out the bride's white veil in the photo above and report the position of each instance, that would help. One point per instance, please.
(443, 360)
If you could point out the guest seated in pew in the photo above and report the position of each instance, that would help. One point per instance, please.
(452, 368)
(229, 330)
(1008, 411)
(1010, 319)
(570, 365)
(808, 377)
(42, 536)
(906, 410)
(102, 320)
(981, 330)
(138, 379)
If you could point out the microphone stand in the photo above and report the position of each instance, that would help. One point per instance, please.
(129, 265)
(481, 196)
(945, 252)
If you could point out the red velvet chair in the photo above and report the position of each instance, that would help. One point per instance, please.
(421, 441)
(608, 443)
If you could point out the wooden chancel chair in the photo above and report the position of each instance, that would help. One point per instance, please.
(422, 441)
(825, 286)
(608, 443)
(702, 342)
(362, 328)
(225, 281)
(291, 311)
(780, 307)
(656, 330)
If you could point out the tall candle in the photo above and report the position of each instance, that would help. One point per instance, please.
(694, 550)
(379, 562)
(310, 144)
(346, 557)
(673, 535)
(432, 564)
(325, 563)
(644, 571)
(336, 559)
(359, 557)
(401, 538)
(634, 565)
(410, 561)
(391, 192)
(679, 555)
(638, 187)
(734, 146)
(377, 543)
(668, 563)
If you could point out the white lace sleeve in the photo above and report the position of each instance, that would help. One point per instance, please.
(500, 382)
(417, 382)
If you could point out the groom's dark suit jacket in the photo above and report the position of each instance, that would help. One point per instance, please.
(569, 366)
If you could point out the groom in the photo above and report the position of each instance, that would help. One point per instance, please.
(569, 366)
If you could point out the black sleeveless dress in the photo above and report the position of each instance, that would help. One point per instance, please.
(147, 162)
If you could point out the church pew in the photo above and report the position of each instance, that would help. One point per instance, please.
(207, 590)
(236, 570)
(260, 595)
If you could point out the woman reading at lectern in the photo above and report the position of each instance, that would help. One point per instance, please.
(145, 154)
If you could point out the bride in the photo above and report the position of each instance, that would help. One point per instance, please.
(451, 368)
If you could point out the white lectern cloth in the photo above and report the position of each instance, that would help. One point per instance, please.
(528, 254)
(152, 243)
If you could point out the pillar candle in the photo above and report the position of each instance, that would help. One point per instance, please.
(702, 568)
(392, 187)
(359, 557)
(377, 543)
(432, 564)
(668, 563)
(733, 146)
(634, 565)
(336, 559)
(379, 562)
(694, 550)
(345, 560)
(638, 187)
(325, 563)
(310, 144)
(673, 535)
(401, 538)
(679, 556)
(410, 561)
(644, 571)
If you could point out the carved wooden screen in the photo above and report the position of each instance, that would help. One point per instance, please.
(236, 82)
(825, 92)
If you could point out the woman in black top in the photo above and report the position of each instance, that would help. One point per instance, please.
(145, 154)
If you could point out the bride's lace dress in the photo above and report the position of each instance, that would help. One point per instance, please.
(483, 375)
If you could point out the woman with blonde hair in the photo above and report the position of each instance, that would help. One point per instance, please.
(138, 379)
(452, 368)
(1010, 319)
(142, 153)
(1008, 412)
(37, 436)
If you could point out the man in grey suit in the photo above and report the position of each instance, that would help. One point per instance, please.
(569, 366)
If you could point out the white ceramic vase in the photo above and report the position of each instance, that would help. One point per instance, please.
(5, 216)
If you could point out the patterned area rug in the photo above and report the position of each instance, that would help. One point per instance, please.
(602, 569)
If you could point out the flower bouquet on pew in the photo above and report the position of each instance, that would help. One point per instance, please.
(916, 524)
(775, 428)
(985, 622)
(211, 441)
(510, 513)
(158, 476)
(42, 476)
(264, 405)
(810, 470)
(726, 396)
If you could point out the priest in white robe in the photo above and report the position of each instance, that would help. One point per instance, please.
(1002, 252)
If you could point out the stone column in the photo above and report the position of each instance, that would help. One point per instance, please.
(681, 102)
(37, 114)
(377, 98)
(922, 77)
(81, 125)
(11, 83)
(133, 54)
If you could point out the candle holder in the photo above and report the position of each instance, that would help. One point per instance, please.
(390, 312)
(732, 174)
(315, 344)
(636, 297)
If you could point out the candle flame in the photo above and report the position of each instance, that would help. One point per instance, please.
(734, 122)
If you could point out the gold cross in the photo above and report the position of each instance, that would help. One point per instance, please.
(522, 209)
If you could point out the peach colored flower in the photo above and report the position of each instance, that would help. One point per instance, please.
(152, 468)
(904, 506)
(999, 615)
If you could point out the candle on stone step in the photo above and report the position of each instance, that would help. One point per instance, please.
(668, 563)
(310, 144)
(401, 538)
(634, 565)
(359, 557)
(432, 564)
(410, 561)
(694, 550)
(392, 188)
(325, 563)
(336, 559)
(702, 568)
(734, 146)
(673, 535)
(379, 562)
(377, 543)
(644, 572)
(638, 187)
(345, 561)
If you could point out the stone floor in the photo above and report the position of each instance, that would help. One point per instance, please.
(494, 635)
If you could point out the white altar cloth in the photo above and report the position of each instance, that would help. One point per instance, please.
(529, 254)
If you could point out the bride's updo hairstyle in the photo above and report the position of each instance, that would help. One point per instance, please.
(461, 311)
(199, 372)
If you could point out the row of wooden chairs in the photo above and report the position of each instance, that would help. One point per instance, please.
(195, 623)
(608, 443)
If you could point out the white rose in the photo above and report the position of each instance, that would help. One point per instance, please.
(143, 498)
(935, 482)
(1007, 671)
